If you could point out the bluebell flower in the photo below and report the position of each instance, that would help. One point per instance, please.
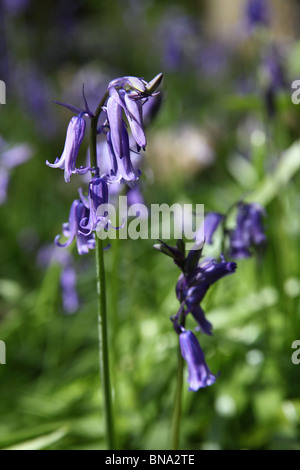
(275, 80)
(133, 111)
(74, 137)
(129, 94)
(257, 13)
(126, 97)
(85, 239)
(136, 88)
(192, 286)
(199, 375)
(249, 232)
(68, 279)
(122, 167)
(97, 196)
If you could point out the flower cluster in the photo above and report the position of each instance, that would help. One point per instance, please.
(249, 232)
(191, 287)
(125, 98)
(196, 278)
(247, 237)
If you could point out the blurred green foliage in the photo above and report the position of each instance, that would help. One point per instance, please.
(50, 386)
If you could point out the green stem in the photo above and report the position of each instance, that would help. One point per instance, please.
(177, 406)
(101, 293)
(103, 344)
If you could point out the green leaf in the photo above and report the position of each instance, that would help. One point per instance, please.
(40, 442)
(275, 183)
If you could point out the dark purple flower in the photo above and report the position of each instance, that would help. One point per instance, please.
(203, 324)
(192, 287)
(257, 13)
(200, 375)
(85, 239)
(249, 231)
(257, 231)
(74, 137)
(68, 280)
(275, 80)
(211, 271)
(97, 197)
(240, 237)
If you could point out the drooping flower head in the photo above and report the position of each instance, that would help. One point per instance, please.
(257, 13)
(85, 239)
(97, 197)
(122, 167)
(200, 375)
(74, 137)
(249, 233)
(128, 94)
(191, 287)
(273, 73)
(124, 97)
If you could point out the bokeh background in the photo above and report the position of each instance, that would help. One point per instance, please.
(226, 129)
